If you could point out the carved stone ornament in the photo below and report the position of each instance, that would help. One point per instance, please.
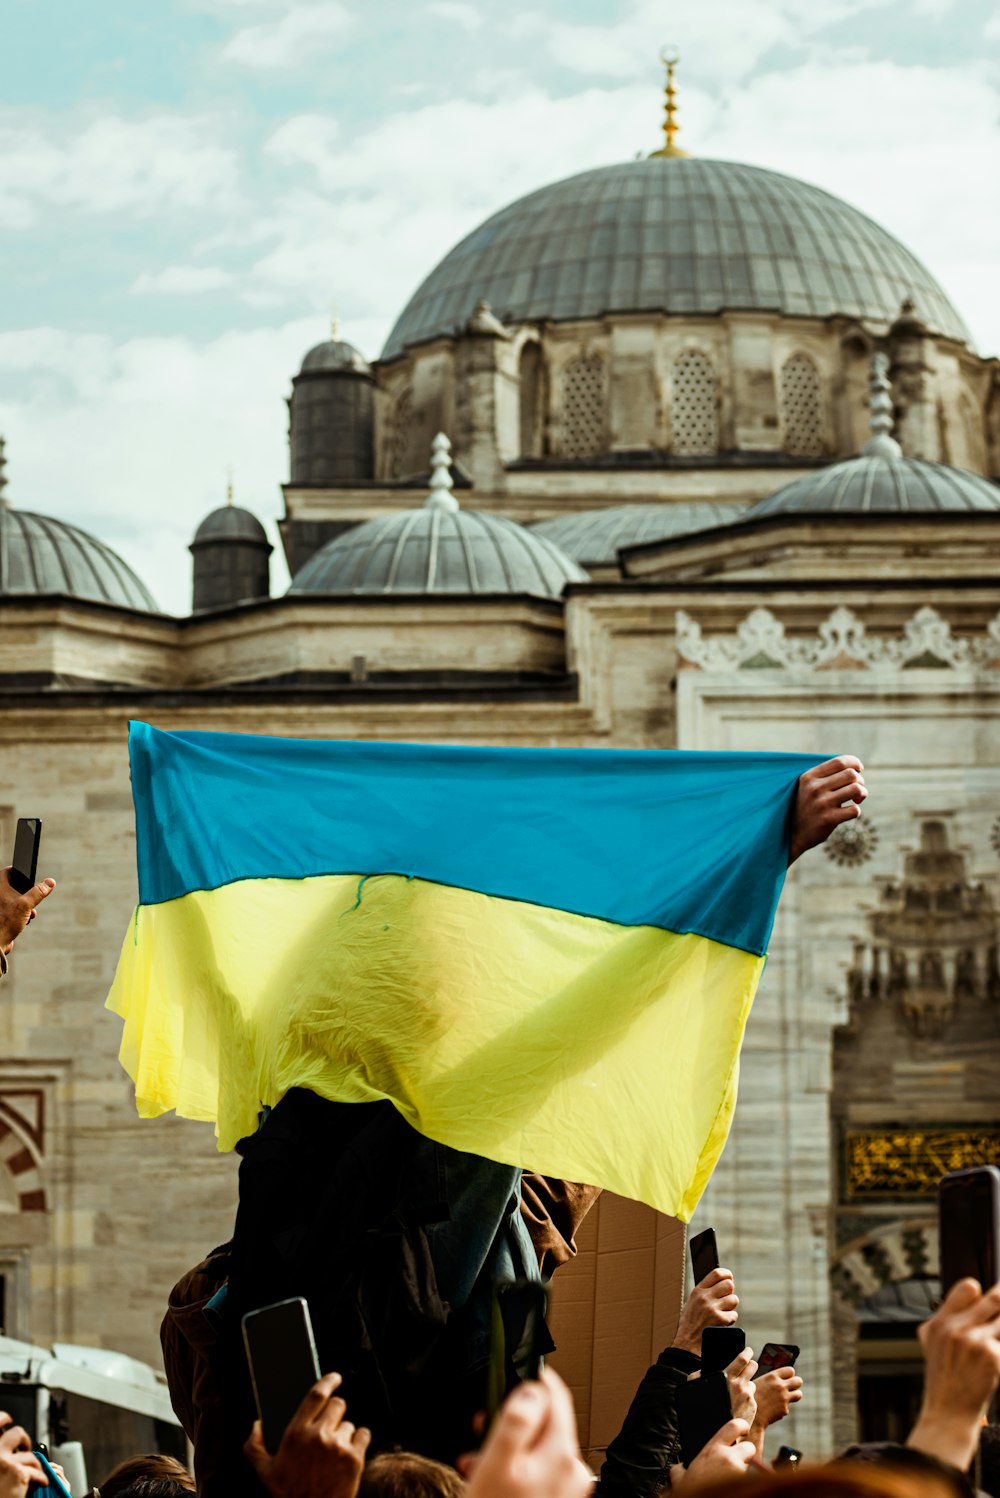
(853, 843)
(841, 643)
(933, 942)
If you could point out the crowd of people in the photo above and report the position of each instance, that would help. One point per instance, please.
(400, 1246)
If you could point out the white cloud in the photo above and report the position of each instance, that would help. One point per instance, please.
(849, 129)
(719, 40)
(462, 14)
(133, 440)
(291, 39)
(991, 31)
(113, 165)
(182, 280)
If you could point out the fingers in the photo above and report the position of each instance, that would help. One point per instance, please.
(715, 1277)
(14, 1437)
(254, 1449)
(519, 1421)
(832, 766)
(733, 1431)
(563, 1415)
(38, 892)
(740, 1363)
(315, 1406)
(361, 1440)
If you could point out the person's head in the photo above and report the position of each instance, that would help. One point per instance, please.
(150, 1476)
(403, 1474)
(850, 1479)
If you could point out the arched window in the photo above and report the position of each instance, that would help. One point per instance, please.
(532, 415)
(801, 398)
(695, 406)
(585, 404)
(402, 422)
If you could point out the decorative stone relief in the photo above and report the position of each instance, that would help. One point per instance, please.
(841, 642)
(853, 843)
(995, 835)
(933, 940)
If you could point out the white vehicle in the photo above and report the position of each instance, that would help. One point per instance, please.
(91, 1408)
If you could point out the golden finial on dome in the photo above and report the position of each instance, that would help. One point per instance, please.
(670, 57)
(334, 327)
(229, 486)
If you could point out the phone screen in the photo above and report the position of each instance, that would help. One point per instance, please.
(24, 864)
(281, 1351)
(704, 1255)
(776, 1355)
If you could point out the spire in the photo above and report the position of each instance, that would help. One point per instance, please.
(229, 486)
(881, 443)
(334, 327)
(670, 57)
(3, 473)
(441, 497)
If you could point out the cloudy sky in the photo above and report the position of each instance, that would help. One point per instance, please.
(188, 188)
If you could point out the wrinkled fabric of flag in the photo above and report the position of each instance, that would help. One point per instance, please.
(545, 957)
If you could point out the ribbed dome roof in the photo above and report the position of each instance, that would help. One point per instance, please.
(434, 550)
(335, 357)
(881, 484)
(675, 235)
(230, 523)
(41, 555)
(598, 535)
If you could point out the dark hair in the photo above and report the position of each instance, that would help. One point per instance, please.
(150, 1476)
(403, 1474)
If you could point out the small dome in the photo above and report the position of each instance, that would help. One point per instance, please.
(674, 235)
(597, 536)
(880, 484)
(335, 357)
(39, 555)
(231, 523)
(437, 550)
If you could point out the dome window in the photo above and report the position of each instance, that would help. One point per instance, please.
(585, 406)
(802, 408)
(695, 406)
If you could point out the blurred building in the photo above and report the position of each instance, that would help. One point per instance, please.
(721, 475)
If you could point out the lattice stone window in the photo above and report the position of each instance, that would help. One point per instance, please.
(695, 406)
(585, 405)
(402, 420)
(802, 407)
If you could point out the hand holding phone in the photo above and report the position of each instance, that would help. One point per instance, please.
(56, 1488)
(281, 1351)
(703, 1408)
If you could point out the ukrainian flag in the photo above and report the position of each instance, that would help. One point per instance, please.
(542, 956)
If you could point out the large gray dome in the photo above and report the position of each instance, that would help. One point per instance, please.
(41, 555)
(597, 536)
(881, 484)
(437, 550)
(675, 235)
(335, 357)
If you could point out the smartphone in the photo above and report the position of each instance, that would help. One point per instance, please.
(281, 1352)
(719, 1345)
(787, 1457)
(703, 1408)
(56, 1488)
(776, 1355)
(519, 1339)
(704, 1254)
(969, 1226)
(24, 866)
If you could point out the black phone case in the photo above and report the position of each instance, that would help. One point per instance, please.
(704, 1254)
(969, 1226)
(719, 1345)
(703, 1408)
